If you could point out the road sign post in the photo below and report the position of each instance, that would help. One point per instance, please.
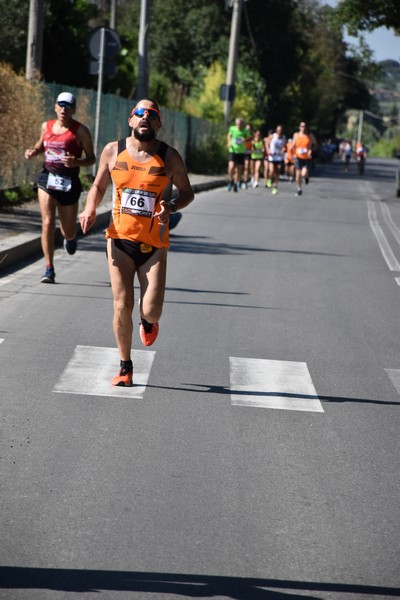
(104, 45)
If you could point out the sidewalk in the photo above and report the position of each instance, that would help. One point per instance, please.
(20, 226)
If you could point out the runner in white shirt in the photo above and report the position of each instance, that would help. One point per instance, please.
(276, 156)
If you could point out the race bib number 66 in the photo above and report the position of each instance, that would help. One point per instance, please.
(140, 203)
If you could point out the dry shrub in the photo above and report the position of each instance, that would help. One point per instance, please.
(21, 116)
(83, 114)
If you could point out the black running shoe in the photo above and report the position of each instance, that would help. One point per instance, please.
(70, 246)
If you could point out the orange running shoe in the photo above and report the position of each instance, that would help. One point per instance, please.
(148, 332)
(124, 378)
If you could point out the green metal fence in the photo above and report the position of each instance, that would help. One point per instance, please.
(181, 131)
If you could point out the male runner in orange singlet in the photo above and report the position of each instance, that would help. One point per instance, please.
(302, 153)
(141, 168)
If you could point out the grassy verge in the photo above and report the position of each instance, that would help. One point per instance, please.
(18, 195)
(27, 192)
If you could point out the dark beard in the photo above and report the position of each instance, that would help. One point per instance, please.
(146, 136)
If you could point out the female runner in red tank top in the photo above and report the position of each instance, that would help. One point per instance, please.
(63, 141)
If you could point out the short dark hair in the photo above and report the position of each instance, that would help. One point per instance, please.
(150, 100)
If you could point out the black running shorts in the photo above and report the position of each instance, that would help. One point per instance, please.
(64, 198)
(138, 252)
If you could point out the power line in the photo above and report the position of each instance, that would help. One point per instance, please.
(252, 41)
(383, 91)
(382, 117)
(368, 83)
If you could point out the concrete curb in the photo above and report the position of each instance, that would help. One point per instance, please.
(28, 244)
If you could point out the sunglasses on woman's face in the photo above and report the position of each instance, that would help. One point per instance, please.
(140, 111)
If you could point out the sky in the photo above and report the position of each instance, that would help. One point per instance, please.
(383, 42)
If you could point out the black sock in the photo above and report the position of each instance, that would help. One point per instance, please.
(126, 365)
(148, 327)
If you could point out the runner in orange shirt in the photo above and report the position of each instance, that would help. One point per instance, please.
(301, 147)
(142, 170)
(247, 171)
(289, 164)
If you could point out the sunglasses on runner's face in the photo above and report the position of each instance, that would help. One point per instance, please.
(152, 113)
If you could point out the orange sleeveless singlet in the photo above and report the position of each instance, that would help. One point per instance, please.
(137, 191)
(302, 146)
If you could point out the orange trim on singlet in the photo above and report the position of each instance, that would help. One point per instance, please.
(289, 152)
(137, 191)
(247, 143)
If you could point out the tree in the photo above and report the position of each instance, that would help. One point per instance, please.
(13, 27)
(205, 101)
(301, 56)
(185, 37)
(292, 63)
(366, 15)
(66, 29)
(65, 48)
(276, 51)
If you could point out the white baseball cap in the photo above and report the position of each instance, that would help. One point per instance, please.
(66, 99)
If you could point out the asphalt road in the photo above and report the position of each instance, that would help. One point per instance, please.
(256, 458)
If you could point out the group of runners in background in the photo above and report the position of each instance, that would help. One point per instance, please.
(252, 156)
(274, 155)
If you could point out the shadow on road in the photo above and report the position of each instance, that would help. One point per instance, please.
(189, 586)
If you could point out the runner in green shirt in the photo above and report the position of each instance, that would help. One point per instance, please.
(236, 139)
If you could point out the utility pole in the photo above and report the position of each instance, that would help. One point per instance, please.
(360, 125)
(142, 89)
(112, 13)
(99, 92)
(34, 49)
(233, 53)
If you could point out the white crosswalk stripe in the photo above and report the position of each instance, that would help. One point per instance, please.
(394, 375)
(274, 384)
(90, 370)
(254, 382)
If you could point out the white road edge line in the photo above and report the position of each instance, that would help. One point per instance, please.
(20, 273)
(384, 245)
(390, 223)
(37, 265)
